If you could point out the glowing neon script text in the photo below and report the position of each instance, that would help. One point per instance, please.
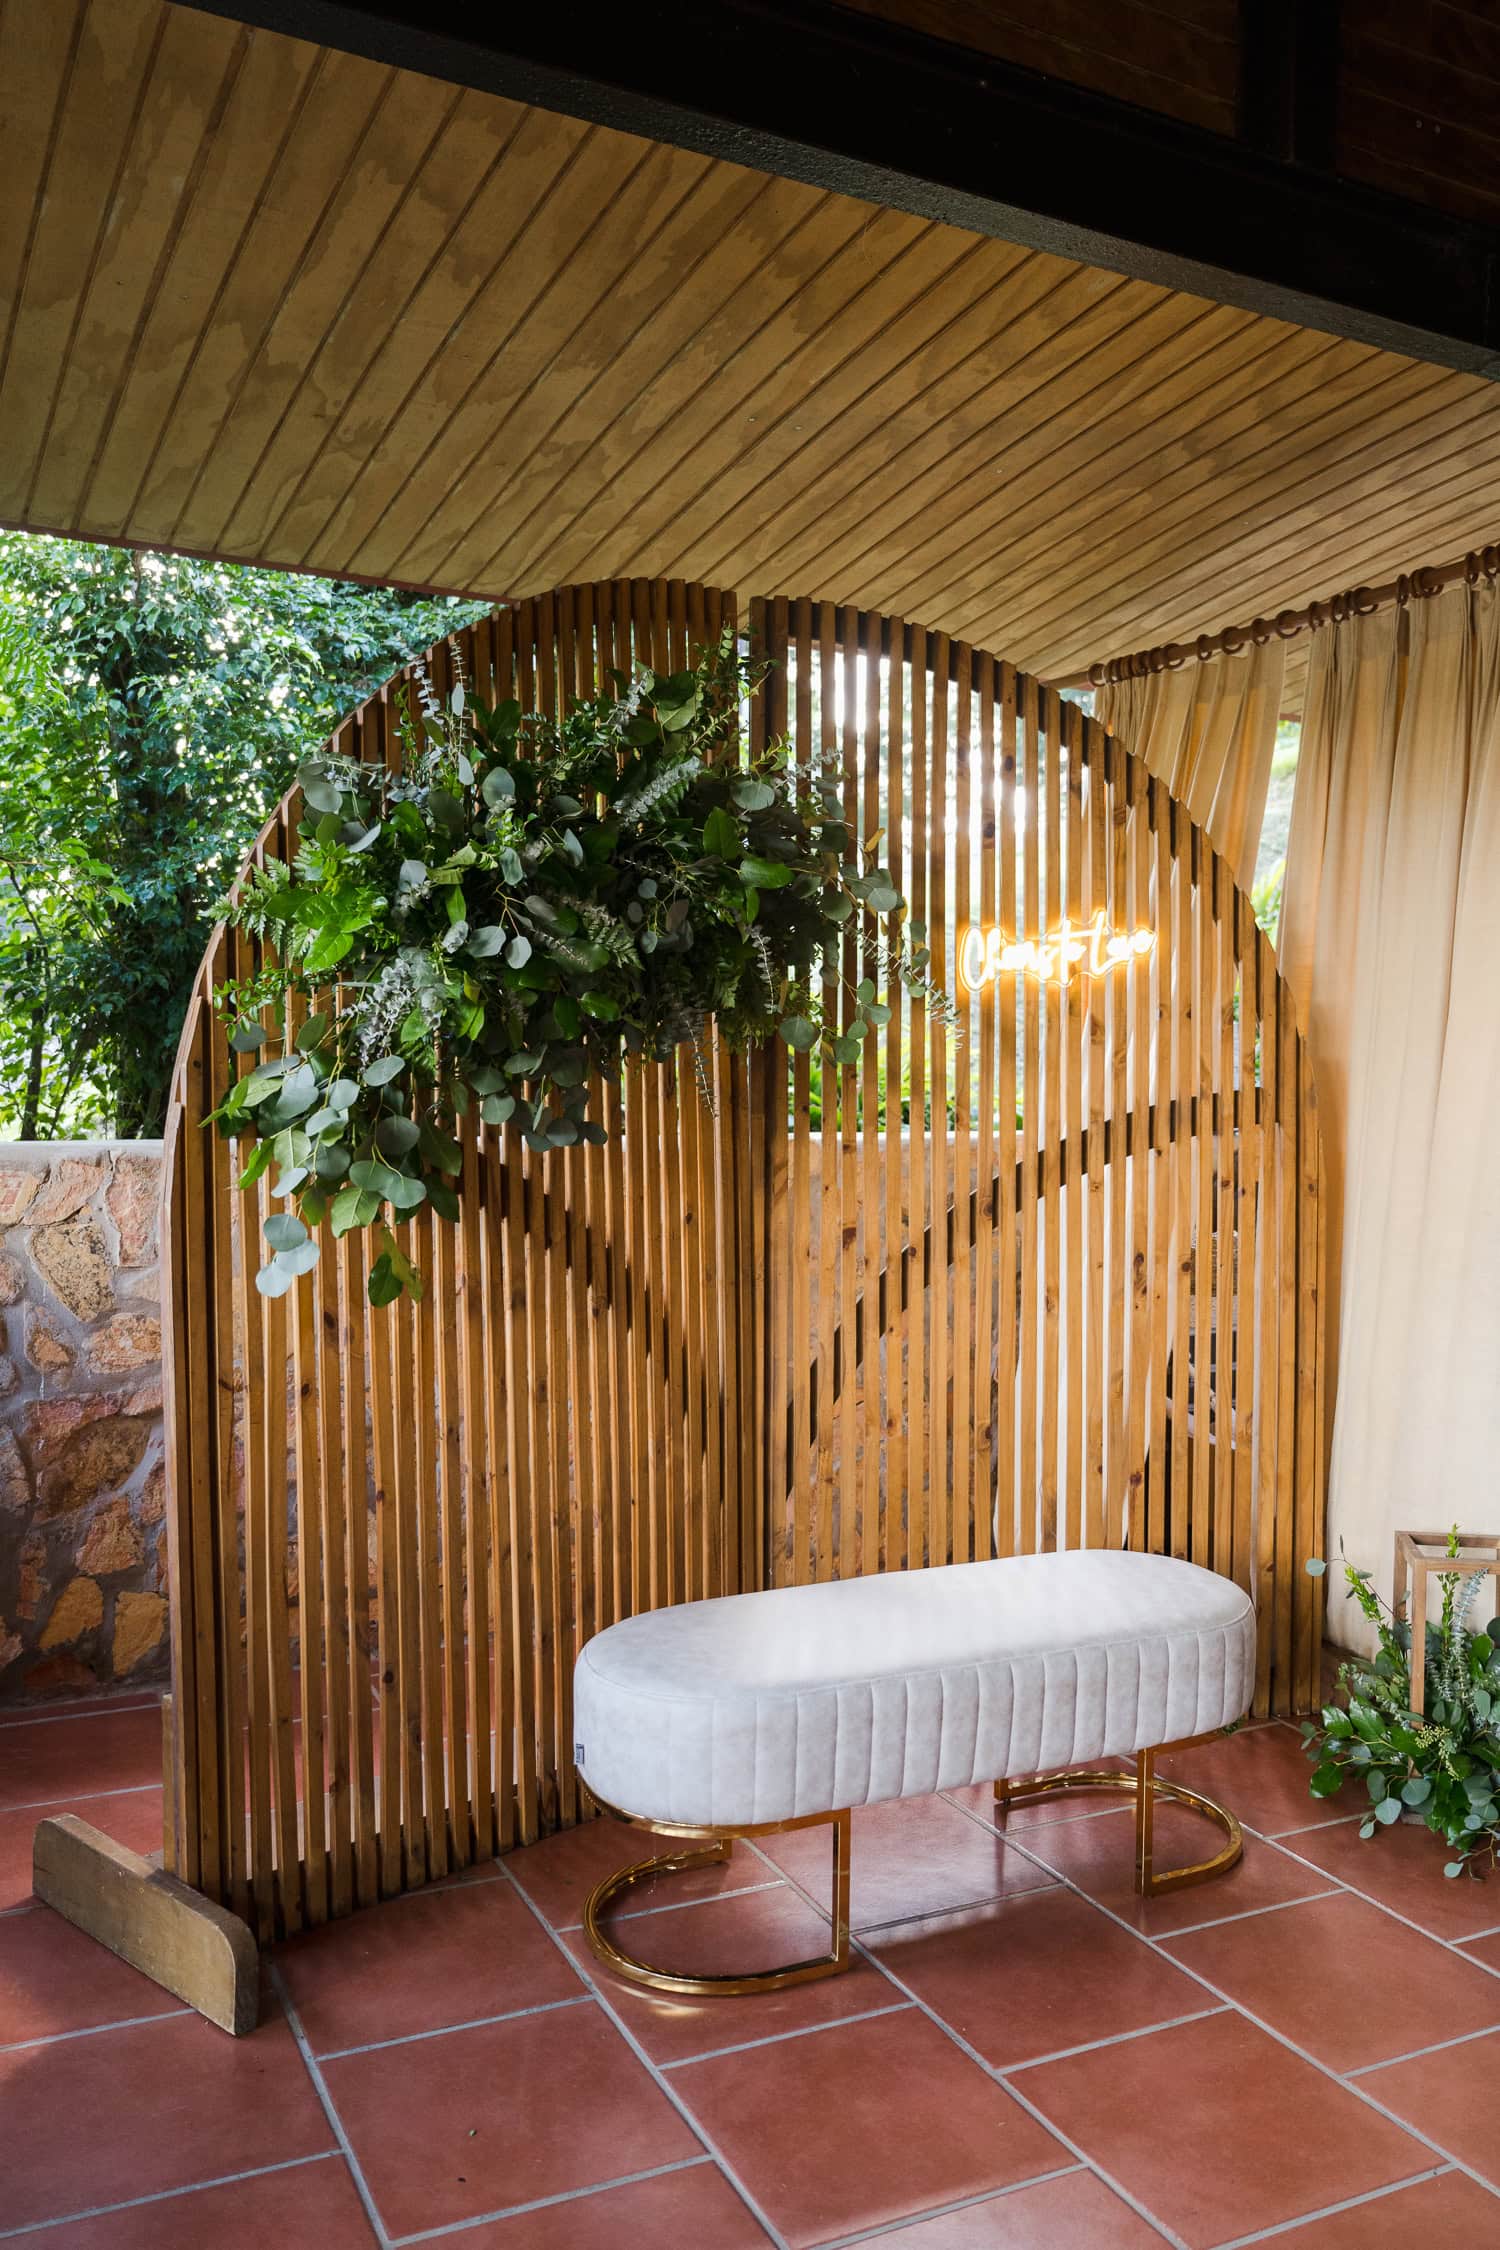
(986, 955)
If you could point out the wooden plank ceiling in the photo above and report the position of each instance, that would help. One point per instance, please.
(276, 303)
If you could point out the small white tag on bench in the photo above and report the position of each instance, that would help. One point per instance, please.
(578, 1753)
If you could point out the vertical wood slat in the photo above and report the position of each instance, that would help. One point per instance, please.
(578, 1417)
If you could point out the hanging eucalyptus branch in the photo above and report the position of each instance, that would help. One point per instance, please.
(530, 900)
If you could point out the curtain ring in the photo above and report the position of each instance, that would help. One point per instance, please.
(1098, 674)
(1365, 604)
(1472, 567)
(1288, 624)
(1174, 656)
(1403, 590)
(1317, 616)
(1231, 640)
(1260, 632)
(1205, 646)
(1425, 583)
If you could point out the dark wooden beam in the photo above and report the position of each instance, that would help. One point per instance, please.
(1289, 73)
(851, 103)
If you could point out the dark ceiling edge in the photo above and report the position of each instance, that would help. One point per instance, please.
(983, 145)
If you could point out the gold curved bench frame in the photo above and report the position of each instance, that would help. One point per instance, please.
(1146, 1787)
(720, 1843)
(1143, 1785)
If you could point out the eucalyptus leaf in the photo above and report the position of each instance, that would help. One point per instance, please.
(274, 1278)
(384, 1069)
(395, 1136)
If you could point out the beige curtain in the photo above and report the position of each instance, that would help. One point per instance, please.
(1208, 731)
(1390, 936)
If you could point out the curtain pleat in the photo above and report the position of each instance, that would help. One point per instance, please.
(1389, 934)
(1208, 731)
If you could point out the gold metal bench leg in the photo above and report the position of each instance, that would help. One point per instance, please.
(1146, 1787)
(718, 1844)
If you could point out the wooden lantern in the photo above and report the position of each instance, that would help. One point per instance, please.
(1421, 1555)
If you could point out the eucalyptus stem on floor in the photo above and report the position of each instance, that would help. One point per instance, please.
(1443, 1766)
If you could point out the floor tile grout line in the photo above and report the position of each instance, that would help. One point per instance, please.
(694, 2126)
(549, 2202)
(1415, 2054)
(330, 2110)
(1065, 2140)
(164, 2195)
(1238, 2007)
(798, 2031)
(9, 1720)
(678, 1905)
(891, 2230)
(93, 2030)
(1325, 2070)
(445, 2030)
(1453, 1945)
(1308, 1828)
(1115, 2039)
(76, 1796)
(1250, 1913)
(1332, 2210)
(963, 2046)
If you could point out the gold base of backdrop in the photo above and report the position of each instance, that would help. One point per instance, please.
(1039, 1270)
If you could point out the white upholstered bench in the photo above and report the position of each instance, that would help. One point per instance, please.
(763, 1712)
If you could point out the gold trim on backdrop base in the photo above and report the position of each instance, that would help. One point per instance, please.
(1145, 1787)
(718, 1844)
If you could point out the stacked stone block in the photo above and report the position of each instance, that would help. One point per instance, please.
(83, 1565)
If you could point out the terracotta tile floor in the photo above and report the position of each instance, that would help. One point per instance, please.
(1021, 2058)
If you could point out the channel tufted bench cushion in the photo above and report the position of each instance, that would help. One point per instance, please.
(802, 1700)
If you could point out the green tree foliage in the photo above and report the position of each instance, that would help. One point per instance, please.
(152, 710)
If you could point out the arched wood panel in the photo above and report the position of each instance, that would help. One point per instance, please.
(731, 1349)
(1061, 1291)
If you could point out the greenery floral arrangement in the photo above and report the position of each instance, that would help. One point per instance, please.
(1444, 1765)
(530, 900)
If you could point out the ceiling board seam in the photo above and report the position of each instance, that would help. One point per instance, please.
(1379, 561)
(1366, 520)
(888, 374)
(460, 220)
(65, 356)
(54, 133)
(546, 285)
(305, 91)
(1340, 470)
(1173, 533)
(539, 203)
(926, 290)
(718, 312)
(334, 319)
(1036, 433)
(804, 221)
(234, 65)
(1039, 493)
(311, 238)
(682, 282)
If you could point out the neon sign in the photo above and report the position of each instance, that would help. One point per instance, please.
(984, 956)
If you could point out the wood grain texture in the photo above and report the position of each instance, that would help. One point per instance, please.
(1045, 1274)
(275, 303)
(159, 1923)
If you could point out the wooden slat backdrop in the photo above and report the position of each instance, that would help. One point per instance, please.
(1046, 1275)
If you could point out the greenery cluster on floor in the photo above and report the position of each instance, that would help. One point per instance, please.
(152, 711)
(1443, 1766)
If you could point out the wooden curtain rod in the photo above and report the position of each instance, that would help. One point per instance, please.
(1360, 601)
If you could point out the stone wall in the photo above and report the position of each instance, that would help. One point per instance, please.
(82, 1488)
